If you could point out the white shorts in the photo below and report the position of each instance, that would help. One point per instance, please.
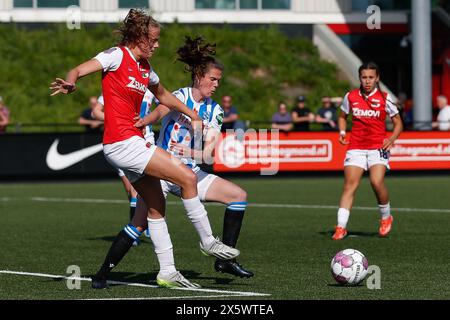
(149, 137)
(204, 181)
(366, 158)
(131, 156)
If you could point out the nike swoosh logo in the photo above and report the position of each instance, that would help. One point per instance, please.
(57, 161)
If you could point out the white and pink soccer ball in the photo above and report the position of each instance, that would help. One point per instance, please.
(349, 267)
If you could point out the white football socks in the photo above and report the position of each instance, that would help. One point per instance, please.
(385, 210)
(159, 234)
(199, 217)
(343, 215)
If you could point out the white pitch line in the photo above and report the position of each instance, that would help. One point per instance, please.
(256, 205)
(134, 284)
(78, 200)
(167, 298)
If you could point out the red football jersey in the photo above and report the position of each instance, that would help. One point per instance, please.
(124, 83)
(368, 116)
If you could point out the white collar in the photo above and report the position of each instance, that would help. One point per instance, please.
(192, 97)
(370, 94)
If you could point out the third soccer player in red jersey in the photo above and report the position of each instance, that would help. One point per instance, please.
(368, 148)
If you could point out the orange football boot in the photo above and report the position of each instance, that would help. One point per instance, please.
(339, 233)
(385, 226)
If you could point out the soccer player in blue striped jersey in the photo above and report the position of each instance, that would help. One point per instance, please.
(176, 137)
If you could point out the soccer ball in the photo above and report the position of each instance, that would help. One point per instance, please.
(349, 266)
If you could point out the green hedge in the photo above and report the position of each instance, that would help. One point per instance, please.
(263, 67)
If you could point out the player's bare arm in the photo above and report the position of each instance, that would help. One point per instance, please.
(97, 112)
(169, 100)
(69, 85)
(155, 116)
(342, 124)
(398, 128)
(207, 154)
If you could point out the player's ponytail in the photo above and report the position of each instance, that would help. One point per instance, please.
(198, 56)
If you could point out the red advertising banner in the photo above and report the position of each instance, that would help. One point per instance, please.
(270, 152)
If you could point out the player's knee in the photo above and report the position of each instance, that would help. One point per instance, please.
(377, 184)
(351, 186)
(241, 195)
(189, 178)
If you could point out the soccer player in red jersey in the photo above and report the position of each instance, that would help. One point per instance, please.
(126, 75)
(368, 148)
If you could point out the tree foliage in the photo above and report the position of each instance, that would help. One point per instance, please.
(262, 67)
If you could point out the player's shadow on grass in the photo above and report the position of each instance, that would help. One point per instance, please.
(104, 238)
(112, 238)
(219, 279)
(150, 278)
(353, 234)
(139, 278)
(337, 285)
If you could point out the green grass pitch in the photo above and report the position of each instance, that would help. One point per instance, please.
(285, 240)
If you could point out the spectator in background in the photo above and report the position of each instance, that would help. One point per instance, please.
(4, 116)
(88, 120)
(230, 115)
(443, 118)
(301, 115)
(282, 120)
(404, 106)
(327, 115)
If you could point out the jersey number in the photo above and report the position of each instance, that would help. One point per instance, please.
(384, 154)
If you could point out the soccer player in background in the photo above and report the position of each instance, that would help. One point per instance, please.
(176, 138)
(368, 148)
(126, 76)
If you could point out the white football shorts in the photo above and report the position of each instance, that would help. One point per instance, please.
(366, 158)
(204, 181)
(131, 156)
(149, 138)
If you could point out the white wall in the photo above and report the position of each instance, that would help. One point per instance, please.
(172, 5)
(166, 11)
(311, 6)
(6, 4)
(305, 6)
(99, 5)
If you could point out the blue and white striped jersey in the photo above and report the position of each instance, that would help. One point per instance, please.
(146, 108)
(177, 127)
